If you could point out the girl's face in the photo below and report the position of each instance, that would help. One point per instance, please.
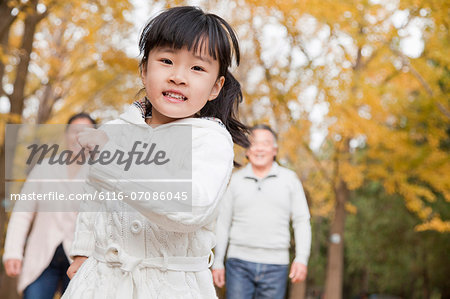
(179, 82)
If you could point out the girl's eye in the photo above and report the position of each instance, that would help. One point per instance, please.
(166, 61)
(197, 68)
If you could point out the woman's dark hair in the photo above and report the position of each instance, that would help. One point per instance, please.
(81, 115)
(190, 27)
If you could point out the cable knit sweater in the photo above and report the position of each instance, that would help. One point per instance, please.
(152, 253)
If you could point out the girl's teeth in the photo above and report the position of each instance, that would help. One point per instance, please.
(175, 96)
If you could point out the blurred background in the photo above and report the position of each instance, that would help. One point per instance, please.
(357, 90)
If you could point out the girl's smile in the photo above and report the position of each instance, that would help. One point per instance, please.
(174, 96)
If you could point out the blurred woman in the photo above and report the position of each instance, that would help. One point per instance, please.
(42, 266)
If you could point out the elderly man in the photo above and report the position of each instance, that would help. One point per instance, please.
(254, 223)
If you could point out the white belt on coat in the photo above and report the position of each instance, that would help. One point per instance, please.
(114, 255)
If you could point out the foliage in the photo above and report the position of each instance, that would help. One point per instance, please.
(384, 254)
(78, 60)
(385, 114)
(353, 105)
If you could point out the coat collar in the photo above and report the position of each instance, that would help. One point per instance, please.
(134, 115)
(248, 171)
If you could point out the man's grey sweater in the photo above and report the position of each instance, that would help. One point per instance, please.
(254, 218)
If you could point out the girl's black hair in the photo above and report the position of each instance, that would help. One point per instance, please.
(190, 27)
(81, 115)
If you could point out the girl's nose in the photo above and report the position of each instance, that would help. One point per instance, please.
(177, 76)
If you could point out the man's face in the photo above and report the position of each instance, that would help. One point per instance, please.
(262, 150)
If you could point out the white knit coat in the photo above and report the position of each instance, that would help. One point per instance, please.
(152, 253)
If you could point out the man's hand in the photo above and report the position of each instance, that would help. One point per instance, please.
(76, 264)
(13, 267)
(298, 272)
(219, 277)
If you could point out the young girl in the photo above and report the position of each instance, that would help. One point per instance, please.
(156, 253)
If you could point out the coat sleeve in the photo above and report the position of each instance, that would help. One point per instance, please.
(84, 241)
(223, 227)
(21, 219)
(300, 221)
(212, 162)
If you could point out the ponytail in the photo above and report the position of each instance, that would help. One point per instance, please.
(225, 107)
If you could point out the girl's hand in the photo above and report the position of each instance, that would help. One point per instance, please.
(89, 138)
(76, 264)
(13, 267)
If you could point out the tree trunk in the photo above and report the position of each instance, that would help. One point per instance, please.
(426, 278)
(335, 266)
(297, 290)
(17, 97)
(6, 19)
(50, 96)
(46, 104)
(7, 285)
(365, 282)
